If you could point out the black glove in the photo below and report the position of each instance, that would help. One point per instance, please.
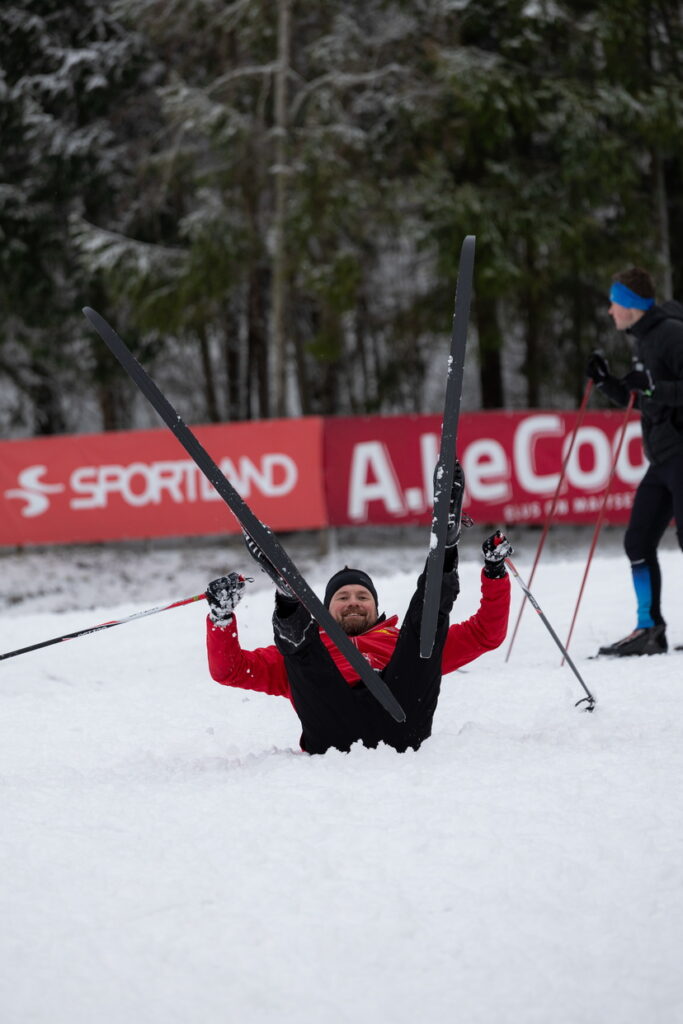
(639, 379)
(223, 596)
(597, 368)
(267, 566)
(496, 549)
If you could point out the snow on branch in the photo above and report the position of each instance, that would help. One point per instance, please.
(342, 80)
(110, 252)
(248, 71)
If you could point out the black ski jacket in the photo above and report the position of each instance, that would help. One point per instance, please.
(658, 345)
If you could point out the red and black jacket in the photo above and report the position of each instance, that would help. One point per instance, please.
(264, 669)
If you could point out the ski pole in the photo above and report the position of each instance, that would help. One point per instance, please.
(601, 515)
(589, 699)
(548, 519)
(103, 625)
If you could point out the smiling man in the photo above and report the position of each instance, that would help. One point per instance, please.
(352, 600)
(335, 708)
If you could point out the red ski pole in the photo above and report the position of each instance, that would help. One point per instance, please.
(601, 516)
(103, 625)
(553, 506)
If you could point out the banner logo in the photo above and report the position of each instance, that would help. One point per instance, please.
(33, 492)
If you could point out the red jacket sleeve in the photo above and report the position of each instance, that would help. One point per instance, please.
(262, 670)
(484, 631)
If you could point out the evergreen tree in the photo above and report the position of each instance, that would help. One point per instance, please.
(353, 339)
(68, 120)
(269, 198)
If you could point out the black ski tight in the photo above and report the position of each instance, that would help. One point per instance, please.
(658, 499)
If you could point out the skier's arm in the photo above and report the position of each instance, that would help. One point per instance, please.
(262, 670)
(484, 631)
(597, 369)
(670, 392)
(617, 392)
(487, 628)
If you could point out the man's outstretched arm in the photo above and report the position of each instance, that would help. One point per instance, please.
(487, 628)
(263, 669)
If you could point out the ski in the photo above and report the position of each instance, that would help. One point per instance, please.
(258, 531)
(619, 657)
(443, 478)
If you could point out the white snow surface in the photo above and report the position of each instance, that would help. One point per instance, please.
(167, 854)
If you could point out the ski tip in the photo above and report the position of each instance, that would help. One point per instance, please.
(95, 319)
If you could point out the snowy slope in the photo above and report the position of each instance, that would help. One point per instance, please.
(167, 854)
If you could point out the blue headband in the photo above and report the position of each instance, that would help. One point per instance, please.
(623, 296)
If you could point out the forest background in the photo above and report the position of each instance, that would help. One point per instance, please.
(267, 199)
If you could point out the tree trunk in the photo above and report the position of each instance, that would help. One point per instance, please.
(490, 362)
(209, 379)
(360, 384)
(235, 388)
(532, 365)
(662, 220)
(280, 171)
(577, 360)
(109, 406)
(257, 346)
(47, 410)
(302, 376)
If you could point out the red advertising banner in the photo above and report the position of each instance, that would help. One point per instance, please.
(140, 484)
(379, 469)
(376, 469)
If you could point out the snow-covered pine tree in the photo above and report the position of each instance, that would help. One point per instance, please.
(74, 83)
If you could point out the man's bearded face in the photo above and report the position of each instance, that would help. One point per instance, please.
(354, 609)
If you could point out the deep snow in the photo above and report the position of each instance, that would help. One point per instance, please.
(168, 855)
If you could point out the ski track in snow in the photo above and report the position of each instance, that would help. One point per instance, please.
(168, 855)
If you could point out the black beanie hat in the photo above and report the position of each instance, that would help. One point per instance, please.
(345, 578)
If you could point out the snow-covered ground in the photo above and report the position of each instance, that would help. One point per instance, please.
(168, 855)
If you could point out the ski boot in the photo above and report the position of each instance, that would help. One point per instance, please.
(646, 640)
(267, 567)
(456, 517)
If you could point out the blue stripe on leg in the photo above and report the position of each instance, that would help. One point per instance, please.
(642, 584)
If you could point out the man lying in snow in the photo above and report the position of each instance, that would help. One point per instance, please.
(305, 666)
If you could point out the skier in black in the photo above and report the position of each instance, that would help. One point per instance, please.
(656, 377)
(334, 707)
